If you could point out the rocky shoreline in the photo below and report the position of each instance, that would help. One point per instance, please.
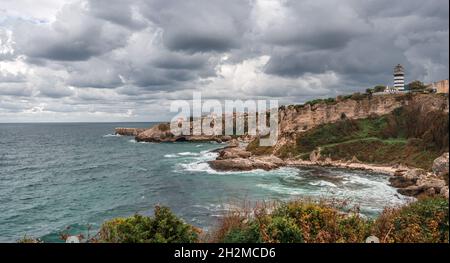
(409, 181)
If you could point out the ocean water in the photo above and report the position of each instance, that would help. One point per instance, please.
(72, 177)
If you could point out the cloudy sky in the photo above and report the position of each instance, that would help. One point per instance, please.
(114, 60)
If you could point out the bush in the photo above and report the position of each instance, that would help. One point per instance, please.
(164, 227)
(284, 230)
(244, 234)
(294, 222)
(318, 222)
(424, 221)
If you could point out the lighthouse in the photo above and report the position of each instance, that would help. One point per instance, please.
(399, 78)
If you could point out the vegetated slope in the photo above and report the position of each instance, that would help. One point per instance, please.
(407, 135)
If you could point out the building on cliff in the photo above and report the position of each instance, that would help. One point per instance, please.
(439, 86)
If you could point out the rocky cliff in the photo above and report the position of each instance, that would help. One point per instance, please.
(295, 119)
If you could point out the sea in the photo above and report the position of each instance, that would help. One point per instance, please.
(68, 178)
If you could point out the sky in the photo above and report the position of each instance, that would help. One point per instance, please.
(115, 60)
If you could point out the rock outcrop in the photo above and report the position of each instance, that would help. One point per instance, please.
(129, 131)
(233, 152)
(418, 182)
(296, 119)
(440, 165)
(162, 133)
(247, 164)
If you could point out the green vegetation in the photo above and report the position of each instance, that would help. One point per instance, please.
(164, 227)
(298, 221)
(377, 88)
(416, 85)
(407, 135)
(320, 222)
(255, 149)
(424, 221)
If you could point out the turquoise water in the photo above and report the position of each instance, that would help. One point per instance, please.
(54, 176)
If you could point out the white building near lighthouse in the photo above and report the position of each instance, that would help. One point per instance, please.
(399, 78)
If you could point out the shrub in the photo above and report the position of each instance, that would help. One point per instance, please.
(284, 230)
(244, 234)
(424, 221)
(320, 222)
(294, 222)
(164, 227)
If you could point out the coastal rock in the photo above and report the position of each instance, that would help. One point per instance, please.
(417, 182)
(233, 152)
(413, 190)
(247, 164)
(128, 131)
(237, 164)
(401, 182)
(440, 165)
(414, 174)
(162, 133)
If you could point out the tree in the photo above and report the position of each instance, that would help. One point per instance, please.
(416, 85)
(379, 88)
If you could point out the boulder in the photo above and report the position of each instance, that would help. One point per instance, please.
(414, 174)
(401, 182)
(233, 152)
(247, 164)
(440, 165)
(413, 190)
(237, 164)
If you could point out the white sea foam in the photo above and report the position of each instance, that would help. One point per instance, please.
(170, 156)
(323, 183)
(111, 135)
(188, 154)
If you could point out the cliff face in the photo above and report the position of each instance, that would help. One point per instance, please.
(297, 119)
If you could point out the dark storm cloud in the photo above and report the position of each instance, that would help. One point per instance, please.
(76, 35)
(367, 40)
(201, 25)
(95, 52)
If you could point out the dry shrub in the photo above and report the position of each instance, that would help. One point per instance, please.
(424, 221)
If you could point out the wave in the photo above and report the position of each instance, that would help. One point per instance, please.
(323, 183)
(188, 154)
(111, 135)
(170, 156)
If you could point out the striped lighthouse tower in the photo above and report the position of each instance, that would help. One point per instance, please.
(399, 78)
